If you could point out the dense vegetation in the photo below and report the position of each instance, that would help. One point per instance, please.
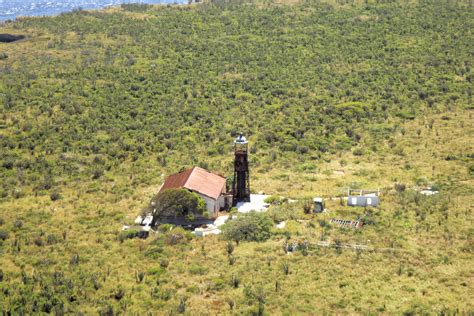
(98, 106)
(174, 85)
(249, 227)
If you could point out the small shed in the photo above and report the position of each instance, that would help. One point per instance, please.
(363, 201)
(318, 204)
(363, 198)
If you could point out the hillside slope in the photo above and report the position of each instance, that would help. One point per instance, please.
(99, 106)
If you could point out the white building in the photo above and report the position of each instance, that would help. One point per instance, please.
(209, 186)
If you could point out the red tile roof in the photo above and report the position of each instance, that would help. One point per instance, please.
(198, 180)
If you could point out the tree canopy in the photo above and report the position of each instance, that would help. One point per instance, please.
(100, 90)
(251, 226)
(176, 203)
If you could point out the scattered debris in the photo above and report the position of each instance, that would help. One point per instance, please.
(429, 191)
(339, 172)
(281, 225)
(347, 223)
(221, 220)
(144, 221)
(355, 246)
(141, 231)
(294, 246)
(142, 227)
(205, 230)
(211, 229)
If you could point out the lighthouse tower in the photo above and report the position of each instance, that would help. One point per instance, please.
(241, 181)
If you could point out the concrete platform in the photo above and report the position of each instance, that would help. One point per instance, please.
(256, 204)
(211, 229)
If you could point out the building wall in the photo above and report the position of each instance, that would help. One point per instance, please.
(211, 205)
(363, 201)
(221, 202)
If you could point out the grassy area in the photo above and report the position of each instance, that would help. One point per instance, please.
(98, 107)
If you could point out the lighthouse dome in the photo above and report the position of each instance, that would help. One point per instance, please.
(241, 139)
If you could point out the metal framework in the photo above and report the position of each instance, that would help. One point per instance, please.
(241, 180)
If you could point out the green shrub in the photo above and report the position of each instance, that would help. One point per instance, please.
(3, 235)
(192, 289)
(164, 263)
(252, 226)
(74, 260)
(38, 241)
(136, 7)
(406, 114)
(166, 294)
(18, 193)
(182, 305)
(273, 199)
(218, 284)
(307, 206)
(229, 248)
(119, 294)
(279, 213)
(139, 276)
(286, 268)
(97, 174)
(177, 236)
(55, 196)
(358, 152)
(163, 228)
(471, 169)
(400, 187)
(17, 224)
(127, 234)
(157, 271)
(197, 269)
(235, 281)
(155, 252)
(52, 239)
(291, 228)
(106, 311)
